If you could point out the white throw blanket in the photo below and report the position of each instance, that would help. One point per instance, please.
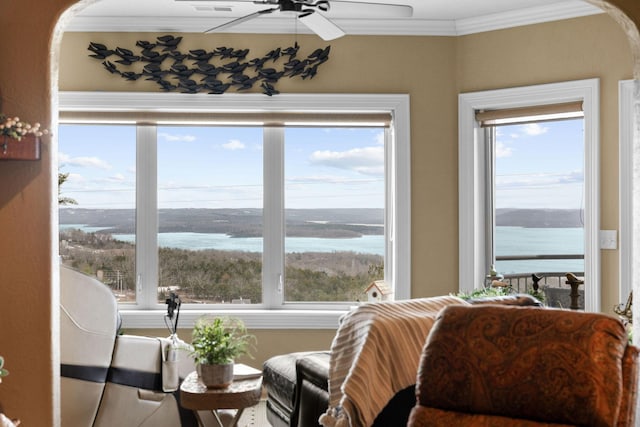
(375, 354)
(6, 422)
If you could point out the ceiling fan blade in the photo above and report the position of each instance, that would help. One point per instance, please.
(241, 20)
(231, 1)
(320, 25)
(367, 9)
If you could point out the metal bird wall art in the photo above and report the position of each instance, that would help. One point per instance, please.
(212, 71)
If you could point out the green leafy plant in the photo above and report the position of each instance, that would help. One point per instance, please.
(494, 291)
(220, 340)
(64, 201)
(538, 294)
(488, 291)
(3, 372)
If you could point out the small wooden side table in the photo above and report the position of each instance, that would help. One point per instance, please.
(239, 395)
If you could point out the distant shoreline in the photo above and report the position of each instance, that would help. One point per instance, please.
(241, 223)
(540, 218)
(345, 223)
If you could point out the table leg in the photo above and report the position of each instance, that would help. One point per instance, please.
(217, 417)
(234, 421)
(200, 422)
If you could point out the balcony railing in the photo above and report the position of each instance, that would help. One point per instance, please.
(553, 285)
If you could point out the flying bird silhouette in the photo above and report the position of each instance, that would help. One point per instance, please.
(169, 42)
(145, 44)
(268, 89)
(210, 72)
(200, 55)
(100, 51)
(126, 56)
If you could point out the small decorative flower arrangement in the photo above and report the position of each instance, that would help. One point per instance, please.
(14, 128)
(3, 372)
(4, 420)
(19, 140)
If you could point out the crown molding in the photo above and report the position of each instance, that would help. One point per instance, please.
(266, 25)
(528, 16)
(403, 27)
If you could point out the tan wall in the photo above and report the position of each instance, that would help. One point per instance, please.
(28, 316)
(356, 65)
(269, 342)
(568, 50)
(554, 52)
(420, 66)
(28, 319)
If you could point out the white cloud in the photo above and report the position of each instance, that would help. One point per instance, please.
(541, 190)
(502, 150)
(74, 178)
(380, 138)
(367, 160)
(176, 138)
(541, 180)
(328, 179)
(573, 176)
(233, 144)
(87, 162)
(117, 178)
(534, 129)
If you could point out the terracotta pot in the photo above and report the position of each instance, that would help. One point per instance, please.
(216, 376)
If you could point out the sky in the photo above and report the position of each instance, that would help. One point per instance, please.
(538, 165)
(222, 167)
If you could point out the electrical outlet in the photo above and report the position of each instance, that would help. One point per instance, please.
(608, 239)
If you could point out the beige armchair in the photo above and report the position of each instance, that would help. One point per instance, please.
(109, 379)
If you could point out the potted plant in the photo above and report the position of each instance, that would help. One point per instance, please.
(217, 342)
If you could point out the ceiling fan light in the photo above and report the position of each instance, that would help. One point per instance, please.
(320, 25)
(322, 5)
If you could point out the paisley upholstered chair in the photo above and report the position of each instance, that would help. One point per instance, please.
(518, 366)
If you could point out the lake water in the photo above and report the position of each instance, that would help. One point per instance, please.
(539, 241)
(201, 241)
(509, 241)
(222, 242)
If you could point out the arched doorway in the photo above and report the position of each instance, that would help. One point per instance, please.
(633, 34)
(25, 10)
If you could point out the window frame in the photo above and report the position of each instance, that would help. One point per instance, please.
(147, 313)
(491, 162)
(626, 91)
(472, 175)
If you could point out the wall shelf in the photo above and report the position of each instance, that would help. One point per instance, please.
(28, 148)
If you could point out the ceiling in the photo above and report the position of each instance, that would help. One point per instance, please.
(430, 17)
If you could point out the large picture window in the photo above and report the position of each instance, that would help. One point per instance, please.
(232, 214)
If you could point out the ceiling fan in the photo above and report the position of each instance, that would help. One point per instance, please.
(311, 13)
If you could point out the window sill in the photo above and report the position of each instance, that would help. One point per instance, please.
(254, 319)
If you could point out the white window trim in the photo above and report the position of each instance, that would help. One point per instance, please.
(626, 102)
(471, 175)
(399, 236)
